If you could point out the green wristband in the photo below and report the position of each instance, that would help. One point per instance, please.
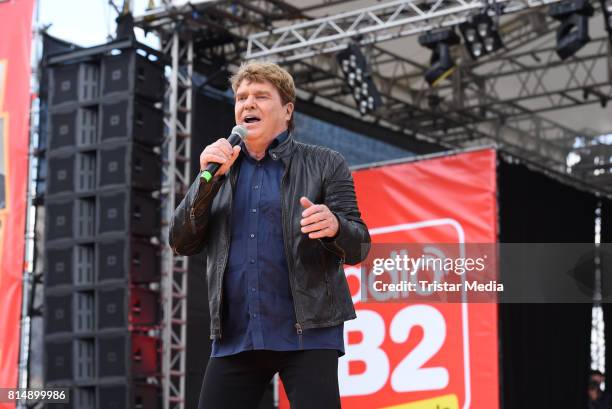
(206, 175)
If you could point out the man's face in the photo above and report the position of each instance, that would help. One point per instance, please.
(259, 107)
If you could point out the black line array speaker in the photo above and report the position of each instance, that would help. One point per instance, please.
(70, 218)
(58, 266)
(132, 73)
(59, 313)
(102, 227)
(122, 396)
(126, 356)
(112, 165)
(119, 306)
(122, 257)
(124, 164)
(58, 360)
(71, 172)
(114, 259)
(72, 83)
(127, 212)
(73, 126)
(127, 118)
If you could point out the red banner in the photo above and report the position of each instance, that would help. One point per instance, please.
(16, 35)
(423, 355)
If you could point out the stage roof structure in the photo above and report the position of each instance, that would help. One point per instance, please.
(522, 98)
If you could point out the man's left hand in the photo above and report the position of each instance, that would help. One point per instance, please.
(317, 220)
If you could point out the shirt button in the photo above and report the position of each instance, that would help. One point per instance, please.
(253, 289)
(252, 261)
(254, 315)
(254, 210)
(252, 235)
(274, 156)
(256, 187)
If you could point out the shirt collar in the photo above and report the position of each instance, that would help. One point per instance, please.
(280, 138)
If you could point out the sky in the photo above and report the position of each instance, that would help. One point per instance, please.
(85, 22)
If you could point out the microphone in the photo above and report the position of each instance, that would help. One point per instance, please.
(238, 134)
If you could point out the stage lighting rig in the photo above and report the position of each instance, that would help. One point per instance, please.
(573, 33)
(606, 7)
(354, 67)
(442, 64)
(480, 35)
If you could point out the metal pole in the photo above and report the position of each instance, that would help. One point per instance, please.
(30, 219)
(169, 189)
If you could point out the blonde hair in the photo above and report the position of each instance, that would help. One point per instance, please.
(259, 71)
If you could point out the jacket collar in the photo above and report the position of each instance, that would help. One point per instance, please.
(283, 150)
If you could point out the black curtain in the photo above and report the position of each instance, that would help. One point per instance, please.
(198, 320)
(544, 348)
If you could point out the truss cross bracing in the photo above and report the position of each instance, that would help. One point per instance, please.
(468, 106)
(538, 82)
(378, 23)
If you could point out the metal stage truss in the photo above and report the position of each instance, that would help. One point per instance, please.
(502, 98)
(374, 24)
(476, 106)
(176, 181)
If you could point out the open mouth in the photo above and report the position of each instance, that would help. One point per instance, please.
(249, 119)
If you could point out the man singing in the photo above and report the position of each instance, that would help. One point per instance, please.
(278, 221)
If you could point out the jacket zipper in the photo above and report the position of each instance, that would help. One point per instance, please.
(192, 220)
(298, 329)
(229, 223)
(298, 326)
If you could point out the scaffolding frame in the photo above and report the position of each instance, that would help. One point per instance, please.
(176, 172)
(373, 24)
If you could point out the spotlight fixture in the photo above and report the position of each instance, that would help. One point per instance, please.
(480, 35)
(606, 7)
(442, 64)
(573, 33)
(355, 70)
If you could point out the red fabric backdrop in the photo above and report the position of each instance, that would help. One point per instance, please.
(422, 356)
(16, 38)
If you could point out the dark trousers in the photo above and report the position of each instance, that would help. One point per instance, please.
(310, 378)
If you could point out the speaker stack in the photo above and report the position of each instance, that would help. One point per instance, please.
(102, 223)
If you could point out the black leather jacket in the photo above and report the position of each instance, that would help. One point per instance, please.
(320, 291)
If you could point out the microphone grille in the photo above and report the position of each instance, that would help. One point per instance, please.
(241, 131)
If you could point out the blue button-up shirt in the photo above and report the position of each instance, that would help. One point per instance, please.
(258, 311)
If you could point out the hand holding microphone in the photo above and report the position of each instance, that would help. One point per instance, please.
(218, 157)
